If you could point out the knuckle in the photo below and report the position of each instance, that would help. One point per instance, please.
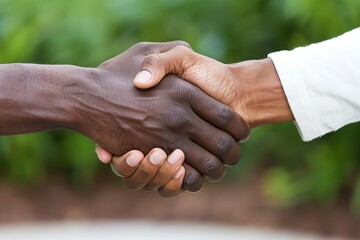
(224, 115)
(232, 161)
(152, 59)
(179, 118)
(192, 182)
(142, 45)
(186, 59)
(173, 141)
(148, 48)
(224, 144)
(144, 173)
(235, 159)
(218, 177)
(164, 172)
(177, 43)
(184, 90)
(183, 43)
(211, 167)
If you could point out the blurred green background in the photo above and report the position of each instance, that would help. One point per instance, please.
(86, 33)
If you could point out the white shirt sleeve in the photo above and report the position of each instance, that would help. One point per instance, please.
(322, 83)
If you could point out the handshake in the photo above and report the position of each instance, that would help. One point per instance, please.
(164, 116)
(176, 117)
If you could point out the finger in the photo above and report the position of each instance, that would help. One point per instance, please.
(217, 142)
(219, 115)
(181, 61)
(193, 180)
(146, 170)
(207, 164)
(167, 171)
(148, 48)
(103, 155)
(126, 164)
(173, 187)
(156, 65)
(160, 47)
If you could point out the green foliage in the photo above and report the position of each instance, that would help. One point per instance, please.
(321, 171)
(88, 32)
(29, 159)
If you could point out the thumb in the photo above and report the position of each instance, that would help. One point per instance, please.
(153, 70)
(146, 79)
(156, 66)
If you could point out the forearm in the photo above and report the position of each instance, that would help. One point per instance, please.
(36, 97)
(263, 100)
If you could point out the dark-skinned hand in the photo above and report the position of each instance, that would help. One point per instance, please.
(174, 115)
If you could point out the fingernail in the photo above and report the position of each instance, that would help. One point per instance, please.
(101, 156)
(115, 171)
(142, 77)
(133, 160)
(179, 173)
(175, 157)
(245, 139)
(156, 158)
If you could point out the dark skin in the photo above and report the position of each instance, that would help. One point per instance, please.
(103, 105)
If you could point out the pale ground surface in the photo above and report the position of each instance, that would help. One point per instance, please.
(139, 230)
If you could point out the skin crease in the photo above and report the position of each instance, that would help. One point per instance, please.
(103, 105)
(251, 88)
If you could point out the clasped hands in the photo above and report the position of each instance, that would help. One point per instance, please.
(182, 115)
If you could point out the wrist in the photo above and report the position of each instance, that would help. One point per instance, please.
(263, 100)
(55, 87)
(54, 91)
(73, 95)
